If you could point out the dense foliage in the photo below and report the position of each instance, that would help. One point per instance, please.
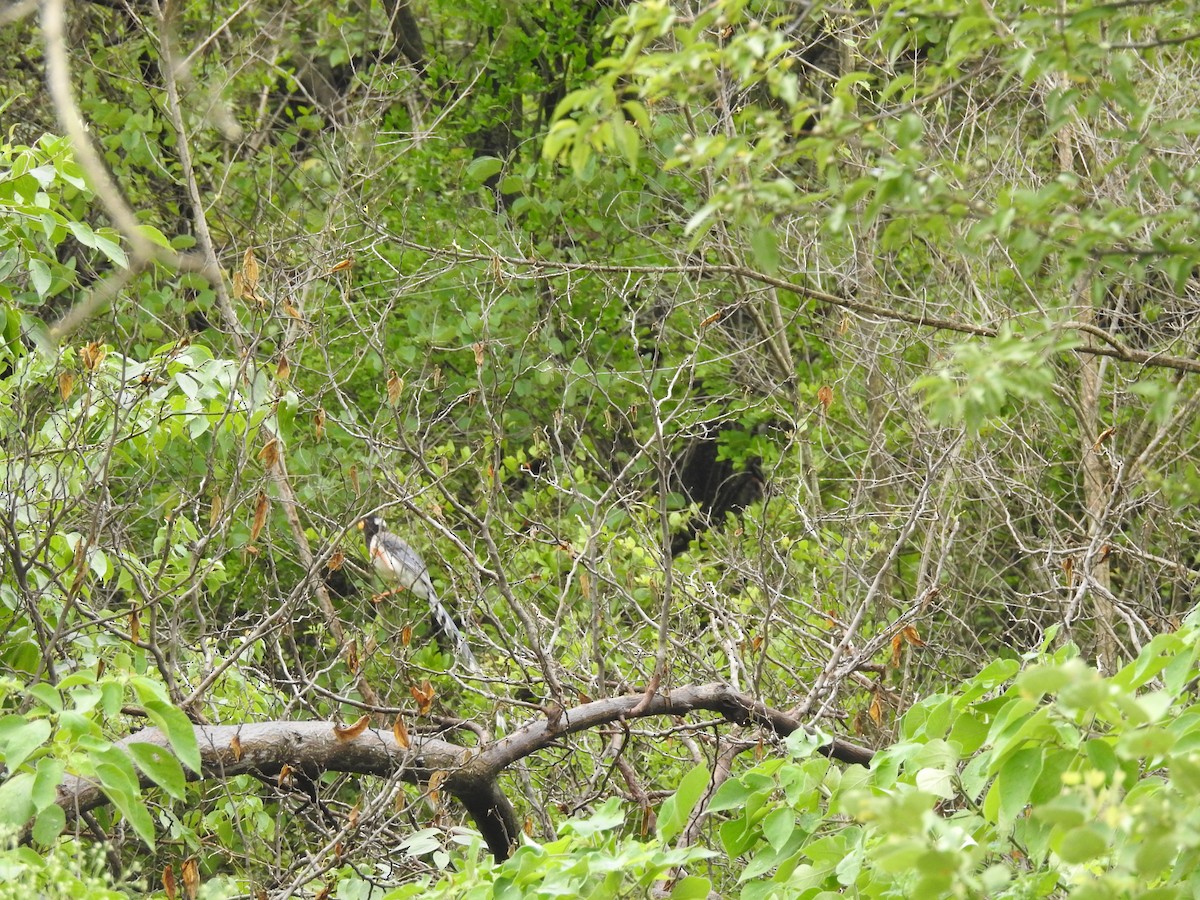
(841, 354)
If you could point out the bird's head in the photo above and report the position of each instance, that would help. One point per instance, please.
(371, 526)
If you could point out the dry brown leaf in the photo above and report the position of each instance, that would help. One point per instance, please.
(168, 882)
(250, 271)
(354, 480)
(92, 355)
(844, 325)
(215, 511)
(405, 635)
(350, 732)
(897, 644)
(324, 892)
(341, 266)
(528, 826)
(424, 696)
(319, 422)
(352, 658)
(585, 585)
(400, 733)
(135, 627)
(713, 319)
(191, 878)
(261, 507)
(285, 775)
(395, 385)
(291, 310)
(239, 286)
(283, 369)
(825, 396)
(1104, 436)
(912, 636)
(352, 818)
(876, 710)
(269, 454)
(478, 348)
(336, 561)
(66, 384)
(235, 747)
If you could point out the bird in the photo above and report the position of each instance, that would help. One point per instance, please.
(398, 563)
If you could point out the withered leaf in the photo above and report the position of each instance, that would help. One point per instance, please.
(92, 355)
(261, 507)
(424, 696)
(168, 882)
(283, 369)
(269, 454)
(876, 710)
(912, 636)
(250, 270)
(319, 422)
(235, 747)
(66, 384)
(395, 385)
(215, 511)
(191, 878)
(825, 396)
(400, 733)
(341, 266)
(350, 732)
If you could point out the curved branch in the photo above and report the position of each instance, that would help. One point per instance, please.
(469, 774)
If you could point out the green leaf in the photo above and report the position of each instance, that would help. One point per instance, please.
(778, 826)
(16, 801)
(1015, 782)
(120, 785)
(49, 825)
(112, 250)
(674, 812)
(46, 781)
(179, 731)
(39, 275)
(19, 738)
(692, 887)
(1083, 844)
(481, 169)
(766, 249)
(161, 767)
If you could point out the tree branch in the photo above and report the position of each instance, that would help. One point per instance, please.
(471, 774)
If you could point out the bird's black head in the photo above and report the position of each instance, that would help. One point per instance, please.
(371, 526)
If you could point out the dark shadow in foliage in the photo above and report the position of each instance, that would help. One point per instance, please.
(718, 486)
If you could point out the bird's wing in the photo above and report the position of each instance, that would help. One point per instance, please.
(402, 564)
(399, 562)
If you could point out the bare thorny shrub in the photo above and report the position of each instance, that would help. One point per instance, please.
(882, 554)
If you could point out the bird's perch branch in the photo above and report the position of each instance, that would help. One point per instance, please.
(471, 773)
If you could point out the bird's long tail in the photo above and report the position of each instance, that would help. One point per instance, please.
(449, 628)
